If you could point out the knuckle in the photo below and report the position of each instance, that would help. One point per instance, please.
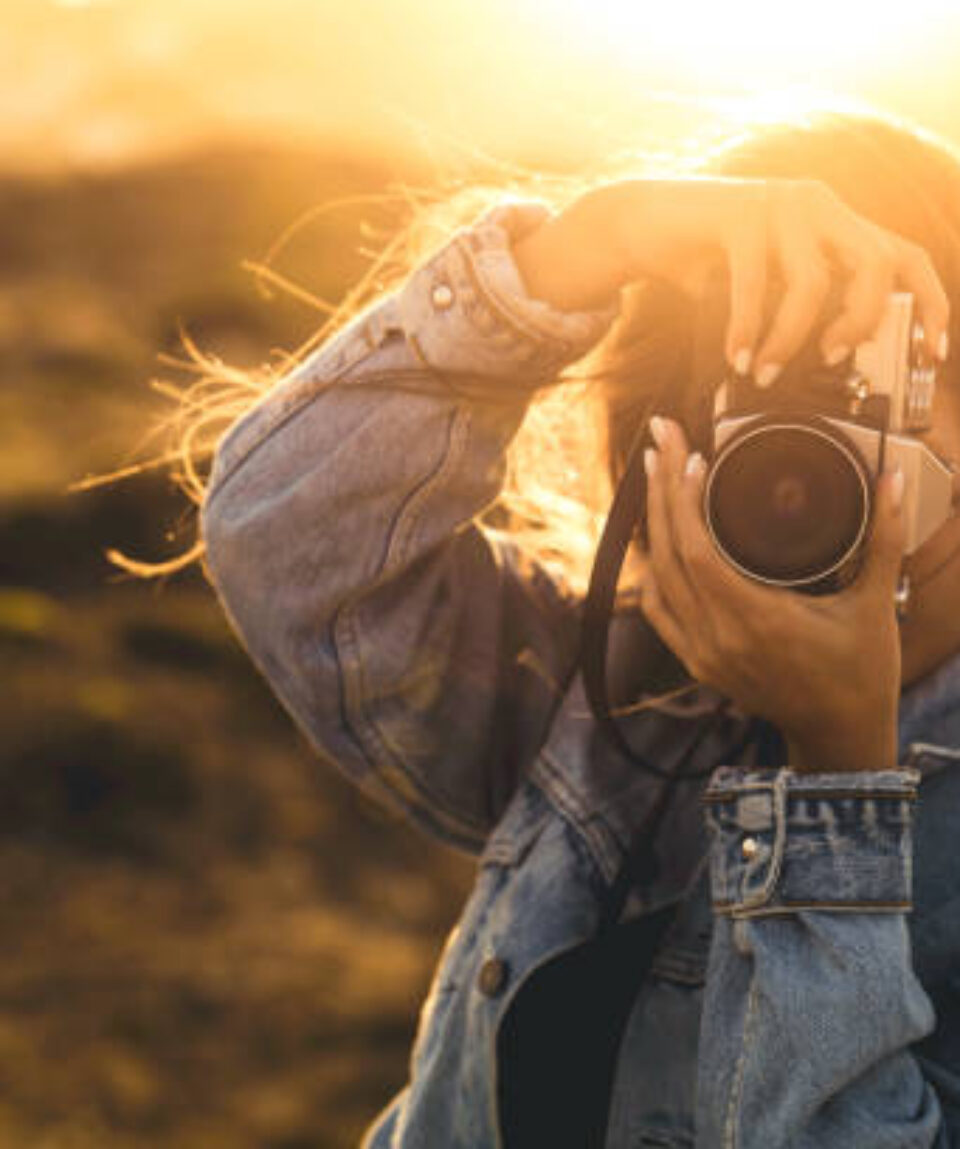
(885, 264)
(731, 643)
(753, 202)
(918, 263)
(815, 193)
(697, 558)
(654, 583)
(878, 256)
(651, 580)
(813, 278)
(917, 259)
(649, 596)
(749, 285)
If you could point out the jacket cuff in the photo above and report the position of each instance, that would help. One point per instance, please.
(466, 310)
(782, 841)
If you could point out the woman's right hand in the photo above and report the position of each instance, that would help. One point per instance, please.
(677, 231)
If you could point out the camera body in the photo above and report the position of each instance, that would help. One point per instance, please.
(792, 470)
(790, 488)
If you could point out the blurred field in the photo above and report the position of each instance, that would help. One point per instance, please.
(210, 940)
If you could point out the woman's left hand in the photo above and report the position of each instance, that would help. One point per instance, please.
(825, 670)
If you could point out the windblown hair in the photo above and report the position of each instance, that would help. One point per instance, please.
(571, 449)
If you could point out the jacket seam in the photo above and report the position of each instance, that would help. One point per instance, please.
(403, 534)
(386, 761)
(389, 767)
(715, 798)
(532, 338)
(731, 1130)
(551, 780)
(739, 910)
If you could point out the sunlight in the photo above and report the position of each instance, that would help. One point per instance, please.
(749, 40)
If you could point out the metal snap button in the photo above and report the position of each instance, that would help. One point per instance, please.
(749, 847)
(442, 296)
(493, 976)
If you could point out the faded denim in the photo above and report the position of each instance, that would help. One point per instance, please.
(808, 992)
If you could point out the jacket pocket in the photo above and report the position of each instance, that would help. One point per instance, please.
(506, 847)
(685, 950)
(660, 1140)
(445, 1018)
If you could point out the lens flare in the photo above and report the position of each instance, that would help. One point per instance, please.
(751, 40)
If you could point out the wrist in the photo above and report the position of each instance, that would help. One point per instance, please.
(573, 261)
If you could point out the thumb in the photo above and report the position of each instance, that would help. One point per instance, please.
(885, 547)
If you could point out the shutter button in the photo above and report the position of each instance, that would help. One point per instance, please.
(492, 977)
(749, 847)
(442, 296)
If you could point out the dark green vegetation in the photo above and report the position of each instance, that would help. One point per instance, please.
(209, 939)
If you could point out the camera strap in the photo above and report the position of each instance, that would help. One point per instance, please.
(628, 514)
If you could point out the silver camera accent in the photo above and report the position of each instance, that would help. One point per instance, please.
(784, 449)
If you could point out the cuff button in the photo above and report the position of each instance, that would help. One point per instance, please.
(492, 977)
(442, 296)
(749, 848)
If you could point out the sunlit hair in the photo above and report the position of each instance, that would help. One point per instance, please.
(570, 451)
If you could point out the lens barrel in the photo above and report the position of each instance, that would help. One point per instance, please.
(788, 502)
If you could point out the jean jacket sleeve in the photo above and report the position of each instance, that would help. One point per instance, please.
(812, 1002)
(418, 651)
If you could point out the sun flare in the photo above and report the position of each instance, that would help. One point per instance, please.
(751, 40)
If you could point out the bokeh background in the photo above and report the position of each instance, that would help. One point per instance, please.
(208, 939)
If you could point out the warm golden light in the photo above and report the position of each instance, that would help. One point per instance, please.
(100, 81)
(752, 41)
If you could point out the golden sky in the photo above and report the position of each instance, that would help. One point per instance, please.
(95, 81)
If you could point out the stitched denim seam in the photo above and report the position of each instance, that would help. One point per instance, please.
(763, 895)
(384, 763)
(550, 777)
(718, 797)
(731, 1129)
(403, 533)
(384, 759)
(683, 966)
(736, 910)
(518, 323)
(511, 322)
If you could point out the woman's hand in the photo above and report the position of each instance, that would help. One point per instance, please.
(825, 670)
(678, 230)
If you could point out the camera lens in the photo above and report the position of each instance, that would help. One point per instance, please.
(788, 503)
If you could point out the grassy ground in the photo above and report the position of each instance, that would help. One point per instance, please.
(210, 939)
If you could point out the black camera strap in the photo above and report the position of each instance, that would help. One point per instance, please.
(627, 514)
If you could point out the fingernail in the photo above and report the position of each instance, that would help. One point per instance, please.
(650, 462)
(767, 374)
(741, 361)
(896, 488)
(943, 347)
(659, 430)
(836, 355)
(695, 465)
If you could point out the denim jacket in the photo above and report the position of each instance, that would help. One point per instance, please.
(807, 992)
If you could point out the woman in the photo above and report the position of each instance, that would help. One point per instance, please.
(804, 991)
